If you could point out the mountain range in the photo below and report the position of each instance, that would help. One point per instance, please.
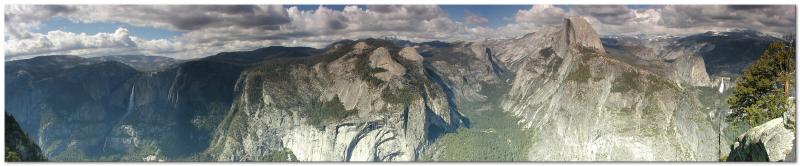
(563, 93)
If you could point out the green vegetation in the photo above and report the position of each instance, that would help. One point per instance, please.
(493, 136)
(139, 153)
(414, 83)
(547, 52)
(399, 96)
(581, 74)
(628, 81)
(322, 113)
(658, 84)
(71, 153)
(281, 155)
(365, 72)
(211, 119)
(19, 147)
(553, 66)
(710, 97)
(12, 156)
(761, 94)
(232, 127)
(417, 80)
(588, 53)
(650, 119)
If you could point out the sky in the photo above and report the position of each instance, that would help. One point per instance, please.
(194, 31)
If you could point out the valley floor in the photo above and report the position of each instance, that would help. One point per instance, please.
(493, 135)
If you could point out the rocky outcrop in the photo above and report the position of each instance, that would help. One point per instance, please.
(371, 100)
(411, 53)
(724, 54)
(380, 58)
(66, 103)
(578, 31)
(574, 33)
(582, 105)
(19, 147)
(771, 141)
(82, 110)
(385, 121)
(691, 71)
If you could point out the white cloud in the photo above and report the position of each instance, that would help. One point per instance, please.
(20, 18)
(668, 19)
(209, 29)
(541, 15)
(606, 14)
(60, 41)
(185, 17)
(212, 29)
(771, 19)
(474, 19)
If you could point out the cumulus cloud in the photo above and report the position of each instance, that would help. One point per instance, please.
(606, 14)
(60, 41)
(209, 29)
(668, 19)
(323, 25)
(20, 18)
(186, 17)
(474, 19)
(541, 14)
(776, 18)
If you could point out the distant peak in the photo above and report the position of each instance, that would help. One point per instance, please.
(578, 31)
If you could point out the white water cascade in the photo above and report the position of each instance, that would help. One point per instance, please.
(124, 116)
(130, 106)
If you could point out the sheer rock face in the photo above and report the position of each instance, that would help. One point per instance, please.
(659, 56)
(380, 130)
(691, 71)
(578, 31)
(380, 58)
(411, 53)
(218, 107)
(584, 106)
(579, 102)
(771, 141)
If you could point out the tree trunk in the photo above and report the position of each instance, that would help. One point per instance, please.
(786, 87)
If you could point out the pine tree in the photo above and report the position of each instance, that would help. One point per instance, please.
(762, 92)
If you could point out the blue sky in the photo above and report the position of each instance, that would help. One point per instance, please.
(192, 31)
(498, 15)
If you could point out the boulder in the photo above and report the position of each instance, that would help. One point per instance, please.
(771, 141)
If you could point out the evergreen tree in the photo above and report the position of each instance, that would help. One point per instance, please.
(762, 92)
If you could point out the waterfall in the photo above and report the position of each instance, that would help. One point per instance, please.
(124, 116)
(173, 94)
(721, 85)
(130, 101)
(130, 106)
